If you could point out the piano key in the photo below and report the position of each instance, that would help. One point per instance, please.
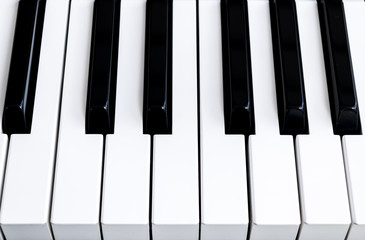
(275, 212)
(4, 141)
(353, 154)
(100, 105)
(288, 68)
(22, 81)
(224, 201)
(237, 79)
(29, 173)
(340, 79)
(157, 106)
(78, 174)
(353, 146)
(8, 10)
(126, 191)
(175, 190)
(321, 173)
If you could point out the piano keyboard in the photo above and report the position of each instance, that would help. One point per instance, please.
(182, 119)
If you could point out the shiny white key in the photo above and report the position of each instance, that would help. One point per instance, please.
(353, 146)
(223, 161)
(8, 10)
(125, 203)
(273, 182)
(3, 153)
(29, 173)
(77, 186)
(322, 182)
(175, 194)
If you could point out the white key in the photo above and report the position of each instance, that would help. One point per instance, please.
(322, 183)
(125, 211)
(353, 146)
(77, 186)
(175, 196)
(8, 10)
(273, 182)
(223, 166)
(29, 173)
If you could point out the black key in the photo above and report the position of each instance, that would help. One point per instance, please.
(292, 109)
(157, 99)
(237, 77)
(100, 105)
(20, 93)
(340, 78)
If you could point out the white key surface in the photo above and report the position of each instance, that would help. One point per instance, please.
(4, 141)
(125, 203)
(272, 173)
(8, 10)
(322, 182)
(353, 146)
(223, 161)
(77, 185)
(29, 172)
(175, 194)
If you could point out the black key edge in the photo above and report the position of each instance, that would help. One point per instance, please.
(18, 112)
(345, 121)
(238, 119)
(100, 119)
(158, 120)
(293, 120)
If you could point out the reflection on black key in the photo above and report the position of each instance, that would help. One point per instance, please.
(157, 105)
(100, 105)
(237, 79)
(340, 78)
(292, 110)
(20, 93)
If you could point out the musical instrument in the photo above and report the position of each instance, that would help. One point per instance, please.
(182, 119)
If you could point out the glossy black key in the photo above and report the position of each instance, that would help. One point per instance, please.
(340, 78)
(100, 105)
(290, 93)
(157, 99)
(23, 72)
(237, 77)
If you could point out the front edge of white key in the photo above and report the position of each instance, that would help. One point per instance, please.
(78, 173)
(320, 165)
(29, 172)
(353, 146)
(126, 191)
(275, 212)
(224, 201)
(175, 194)
(7, 18)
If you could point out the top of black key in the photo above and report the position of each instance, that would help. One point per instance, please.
(237, 77)
(100, 107)
(290, 92)
(157, 99)
(340, 78)
(23, 72)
